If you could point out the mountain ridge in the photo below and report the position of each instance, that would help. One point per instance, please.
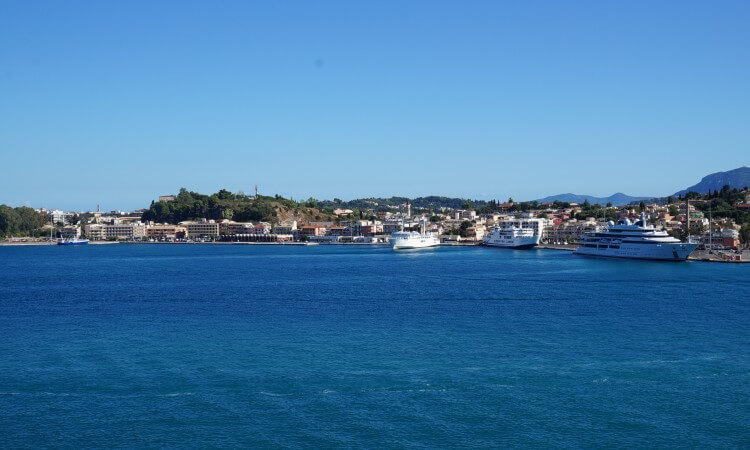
(735, 178)
(617, 199)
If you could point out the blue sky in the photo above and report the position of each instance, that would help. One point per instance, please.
(114, 103)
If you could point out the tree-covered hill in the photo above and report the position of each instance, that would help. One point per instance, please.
(432, 202)
(190, 205)
(21, 221)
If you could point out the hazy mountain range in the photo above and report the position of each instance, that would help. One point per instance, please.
(736, 178)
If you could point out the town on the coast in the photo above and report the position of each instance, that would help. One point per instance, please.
(712, 226)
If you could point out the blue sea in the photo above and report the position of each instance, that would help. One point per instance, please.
(195, 346)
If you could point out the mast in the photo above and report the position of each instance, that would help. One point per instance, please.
(710, 229)
(687, 217)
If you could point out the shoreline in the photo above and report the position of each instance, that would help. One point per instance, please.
(700, 257)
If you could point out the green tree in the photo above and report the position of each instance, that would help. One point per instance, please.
(463, 229)
(745, 234)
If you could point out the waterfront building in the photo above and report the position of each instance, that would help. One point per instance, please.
(125, 231)
(371, 230)
(286, 227)
(336, 230)
(262, 228)
(70, 232)
(95, 231)
(313, 230)
(201, 229)
(719, 240)
(165, 232)
(229, 228)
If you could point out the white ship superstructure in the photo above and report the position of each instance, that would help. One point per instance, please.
(636, 241)
(402, 240)
(517, 233)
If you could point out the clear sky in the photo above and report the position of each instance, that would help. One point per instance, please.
(115, 103)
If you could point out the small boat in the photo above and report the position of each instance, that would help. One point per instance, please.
(74, 241)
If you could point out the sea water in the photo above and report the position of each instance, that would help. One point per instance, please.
(342, 346)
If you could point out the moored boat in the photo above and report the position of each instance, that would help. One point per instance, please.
(634, 241)
(402, 240)
(517, 233)
(73, 241)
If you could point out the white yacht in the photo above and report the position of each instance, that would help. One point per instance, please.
(634, 240)
(401, 240)
(517, 233)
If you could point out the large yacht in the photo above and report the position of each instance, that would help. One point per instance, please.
(517, 233)
(634, 240)
(402, 240)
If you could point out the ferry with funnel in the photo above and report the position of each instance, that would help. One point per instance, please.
(634, 241)
(518, 233)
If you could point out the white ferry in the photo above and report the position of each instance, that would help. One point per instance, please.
(402, 240)
(518, 233)
(636, 241)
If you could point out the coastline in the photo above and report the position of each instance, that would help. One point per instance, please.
(701, 256)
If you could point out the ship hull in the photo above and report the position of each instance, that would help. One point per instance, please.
(73, 243)
(655, 252)
(411, 244)
(518, 243)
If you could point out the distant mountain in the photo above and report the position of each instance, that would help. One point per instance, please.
(737, 178)
(617, 199)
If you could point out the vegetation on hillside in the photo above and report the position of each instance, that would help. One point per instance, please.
(431, 203)
(239, 207)
(21, 221)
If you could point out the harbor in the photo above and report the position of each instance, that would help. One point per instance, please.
(261, 336)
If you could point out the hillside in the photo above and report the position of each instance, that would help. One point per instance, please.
(384, 204)
(617, 199)
(738, 178)
(226, 205)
